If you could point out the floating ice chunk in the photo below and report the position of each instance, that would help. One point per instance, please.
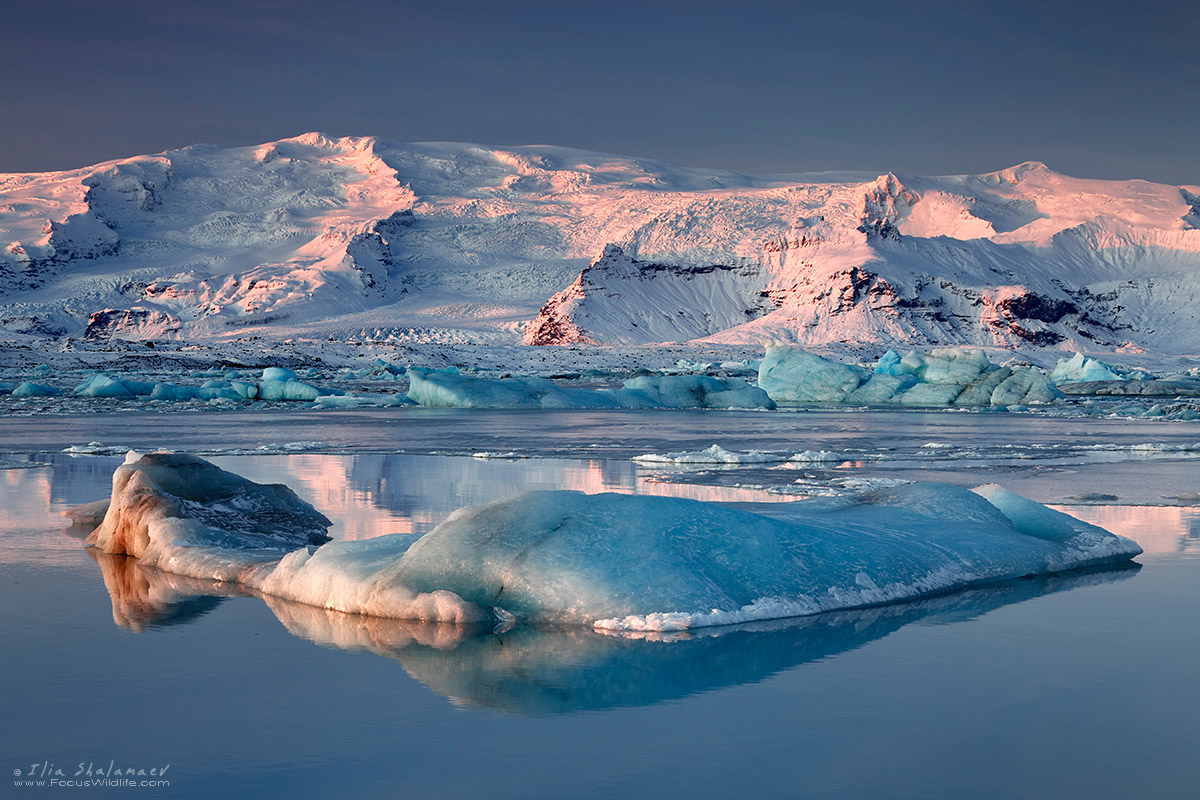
(698, 391)
(618, 562)
(88, 515)
(362, 400)
(792, 375)
(277, 375)
(1025, 387)
(815, 457)
(949, 376)
(882, 388)
(279, 383)
(949, 365)
(719, 455)
(712, 455)
(440, 389)
(292, 390)
(96, 449)
(184, 515)
(243, 390)
(101, 385)
(1080, 368)
(569, 557)
(166, 391)
(31, 389)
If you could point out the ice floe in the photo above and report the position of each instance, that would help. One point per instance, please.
(719, 455)
(616, 562)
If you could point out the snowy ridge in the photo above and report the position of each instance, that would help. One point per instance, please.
(317, 236)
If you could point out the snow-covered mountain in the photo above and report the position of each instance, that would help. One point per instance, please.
(317, 237)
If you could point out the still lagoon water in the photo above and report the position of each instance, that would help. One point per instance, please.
(1077, 685)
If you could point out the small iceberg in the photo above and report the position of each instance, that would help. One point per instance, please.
(181, 514)
(952, 376)
(449, 389)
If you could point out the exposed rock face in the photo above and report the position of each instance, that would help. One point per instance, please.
(132, 323)
(618, 299)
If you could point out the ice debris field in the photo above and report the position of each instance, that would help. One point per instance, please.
(786, 376)
(610, 561)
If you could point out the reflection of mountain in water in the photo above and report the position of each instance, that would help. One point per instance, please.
(79, 479)
(1160, 530)
(528, 670)
(404, 484)
(374, 494)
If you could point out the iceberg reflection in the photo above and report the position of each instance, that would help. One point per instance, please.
(540, 671)
(143, 597)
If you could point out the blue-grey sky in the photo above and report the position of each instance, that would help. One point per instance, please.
(1095, 89)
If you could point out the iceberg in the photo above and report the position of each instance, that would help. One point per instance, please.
(611, 561)
(952, 376)
(449, 389)
(101, 385)
(1082, 369)
(31, 389)
(696, 391)
(181, 514)
(795, 376)
(628, 562)
(278, 383)
(443, 389)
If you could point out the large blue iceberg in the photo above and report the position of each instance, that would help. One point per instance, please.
(629, 562)
(612, 561)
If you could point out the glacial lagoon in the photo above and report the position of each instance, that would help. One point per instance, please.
(1072, 685)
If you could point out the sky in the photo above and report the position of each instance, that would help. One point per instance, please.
(1094, 89)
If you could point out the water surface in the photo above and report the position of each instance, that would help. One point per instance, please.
(1073, 685)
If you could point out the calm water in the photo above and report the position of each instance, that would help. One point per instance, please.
(1073, 686)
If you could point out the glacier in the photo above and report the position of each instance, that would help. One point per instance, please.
(609, 561)
(325, 243)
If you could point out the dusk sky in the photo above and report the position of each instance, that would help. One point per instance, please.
(1094, 89)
